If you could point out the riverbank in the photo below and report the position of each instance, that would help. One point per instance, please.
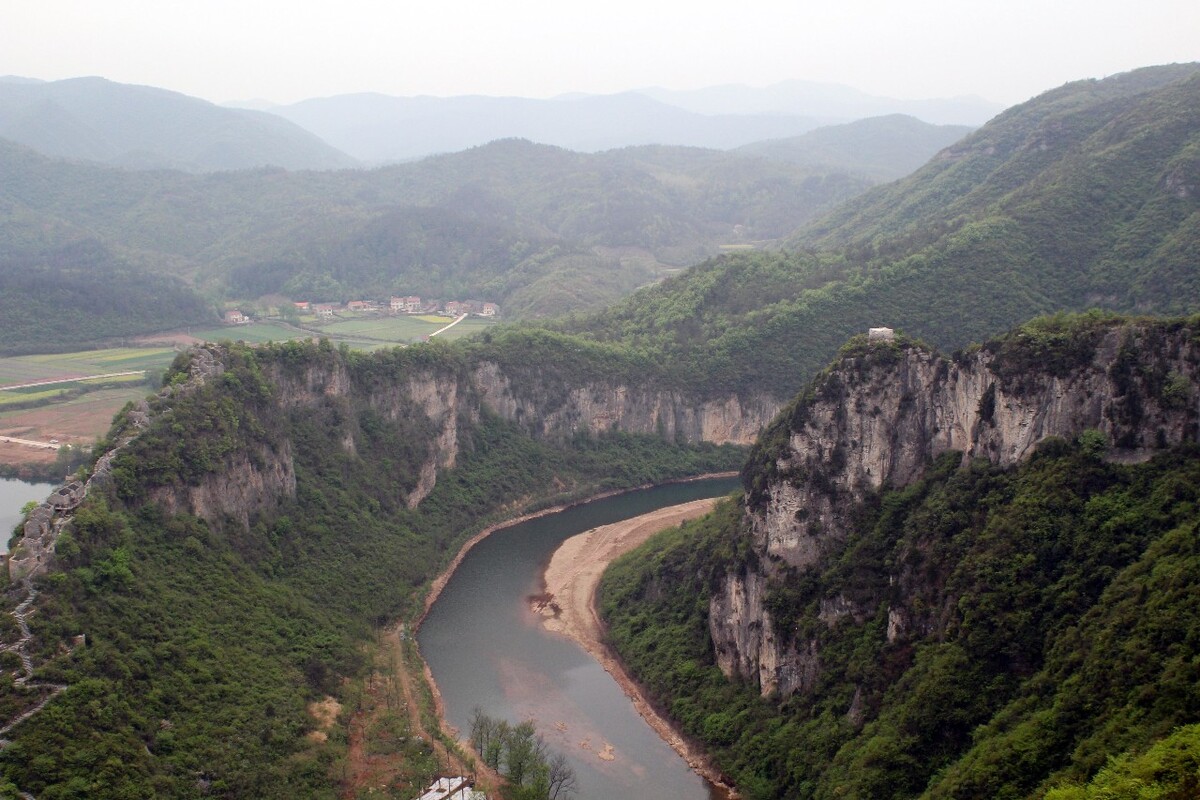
(439, 584)
(568, 607)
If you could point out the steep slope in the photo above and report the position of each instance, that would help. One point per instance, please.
(927, 590)
(141, 127)
(1095, 181)
(886, 148)
(269, 507)
(1083, 197)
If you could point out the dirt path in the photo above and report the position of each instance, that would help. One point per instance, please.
(448, 327)
(371, 771)
(568, 606)
(78, 379)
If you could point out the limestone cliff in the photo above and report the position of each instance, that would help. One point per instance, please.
(248, 468)
(885, 410)
(558, 411)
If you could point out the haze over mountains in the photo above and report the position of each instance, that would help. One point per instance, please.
(274, 505)
(374, 127)
(141, 127)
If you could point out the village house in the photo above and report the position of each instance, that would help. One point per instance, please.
(324, 311)
(357, 305)
(490, 310)
(235, 317)
(301, 305)
(412, 304)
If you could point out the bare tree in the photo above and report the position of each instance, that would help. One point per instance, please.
(562, 778)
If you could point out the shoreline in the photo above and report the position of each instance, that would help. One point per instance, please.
(439, 584)
(567, 607)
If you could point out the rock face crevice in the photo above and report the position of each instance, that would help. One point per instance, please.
(434, 400)
(881, 415)
(556, 411)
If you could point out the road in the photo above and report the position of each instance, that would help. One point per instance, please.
(448, 327)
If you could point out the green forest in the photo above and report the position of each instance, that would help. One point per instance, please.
(1061, 654)
(204, 642)
(1065, 635)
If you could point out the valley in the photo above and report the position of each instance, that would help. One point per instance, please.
(959, 559)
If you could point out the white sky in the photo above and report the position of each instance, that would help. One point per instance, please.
(287, 50)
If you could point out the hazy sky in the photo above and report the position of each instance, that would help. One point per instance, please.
(287, 50)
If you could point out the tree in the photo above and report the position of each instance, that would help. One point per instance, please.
(562, 781)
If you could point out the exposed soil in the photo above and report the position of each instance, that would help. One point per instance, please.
(568, 607)
(80, 422)
(366, 770)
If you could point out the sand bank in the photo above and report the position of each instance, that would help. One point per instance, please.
(568, 607)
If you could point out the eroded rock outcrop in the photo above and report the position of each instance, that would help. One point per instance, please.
(885, 411)
(598, 406)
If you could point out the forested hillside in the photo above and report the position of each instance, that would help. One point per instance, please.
(83, 293)
(887, 147)
(539, 230)
(278, 503)
(1083, 197)
(993, 626)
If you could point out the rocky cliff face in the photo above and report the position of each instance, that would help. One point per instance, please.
(881, 414)
(435, 399)
(598, 406)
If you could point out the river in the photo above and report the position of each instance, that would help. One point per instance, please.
(13, 495)
(486, 648)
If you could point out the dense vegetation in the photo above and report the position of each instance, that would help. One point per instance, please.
(537, 229)
(204, 642)
(1083, 197)
(82, 294)
(1062, 630)
(887, 147)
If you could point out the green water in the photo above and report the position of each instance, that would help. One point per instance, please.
(487, 649)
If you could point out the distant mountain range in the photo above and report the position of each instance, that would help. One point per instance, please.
(885, 148)
(141, 127)
(375, 128)
(826, 101)
(540, 229)
(378, 128)
(1085, 196)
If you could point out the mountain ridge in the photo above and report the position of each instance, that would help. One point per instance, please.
(144, 127)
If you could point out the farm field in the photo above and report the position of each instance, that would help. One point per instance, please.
(79, 421)
(51, 366)
(70, 416)
(33, 394)
(402, 329)
(254, 333)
